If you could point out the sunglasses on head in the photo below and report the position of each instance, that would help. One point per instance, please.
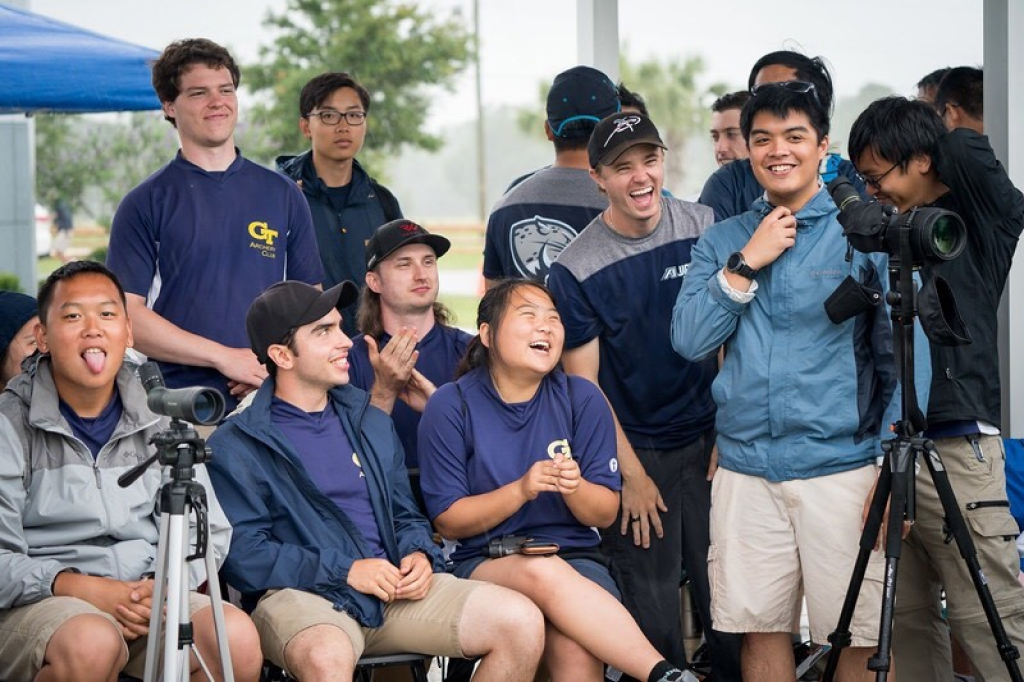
(792, 86)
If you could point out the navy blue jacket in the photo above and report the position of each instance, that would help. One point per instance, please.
(342, 233)
(287, 533)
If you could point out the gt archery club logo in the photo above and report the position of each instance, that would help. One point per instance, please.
(263, 237)
(536, 242)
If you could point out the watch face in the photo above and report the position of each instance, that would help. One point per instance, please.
(735, 261)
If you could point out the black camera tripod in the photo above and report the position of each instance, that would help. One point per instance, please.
(895, 487)
(180, 448)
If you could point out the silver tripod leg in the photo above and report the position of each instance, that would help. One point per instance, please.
(176, 543)
(219, 626)
(159, 592)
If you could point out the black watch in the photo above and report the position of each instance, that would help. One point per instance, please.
(737, 264)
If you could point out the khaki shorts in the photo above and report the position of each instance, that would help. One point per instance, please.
(773, 543)
(26, 631)
(429, 626)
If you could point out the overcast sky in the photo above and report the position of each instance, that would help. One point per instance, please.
(892, 42)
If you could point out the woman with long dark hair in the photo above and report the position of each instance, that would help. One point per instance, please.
(515, 449)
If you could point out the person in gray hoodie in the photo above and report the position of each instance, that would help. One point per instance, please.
(78, 552)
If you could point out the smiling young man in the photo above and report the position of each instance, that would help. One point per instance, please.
(198, 240)
(77, 551)
(910, 160)
(327, 536)
(733, 188)
(615, 286)
(346, 203)
(800, 399)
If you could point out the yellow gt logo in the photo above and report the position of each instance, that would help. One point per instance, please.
(262, 232)
(560, 446)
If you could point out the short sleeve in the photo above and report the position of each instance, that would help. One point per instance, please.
(443, 453)
(578, 317)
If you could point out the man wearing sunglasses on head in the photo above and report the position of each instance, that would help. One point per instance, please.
(733, 188)
(346, 203)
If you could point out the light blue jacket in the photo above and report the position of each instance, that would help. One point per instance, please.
(798, 396)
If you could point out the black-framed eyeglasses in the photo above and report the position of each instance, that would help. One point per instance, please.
(877, 182)
(802, 87)
(332, 117)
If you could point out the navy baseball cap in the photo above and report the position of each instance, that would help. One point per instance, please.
(617, 133)
(578, 99)
(16, 309)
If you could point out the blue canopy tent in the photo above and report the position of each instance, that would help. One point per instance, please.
(47, 65)
(50, 66)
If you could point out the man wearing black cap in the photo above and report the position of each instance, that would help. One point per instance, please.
(535, 220)
(408, 345)
(326, 535)
(631, 260)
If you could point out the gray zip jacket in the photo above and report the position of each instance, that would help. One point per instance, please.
(60, 508)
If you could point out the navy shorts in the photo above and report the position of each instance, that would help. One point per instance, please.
(591, 569)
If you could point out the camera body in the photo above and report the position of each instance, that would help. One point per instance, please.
(934, 235)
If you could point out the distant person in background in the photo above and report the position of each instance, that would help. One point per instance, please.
(733, 188)
(631, 101)
(537, 218)
(64, 222)
(927, 86)
(408, 346)
(725, 127)
(346, 203)
(196, 242)
(960, 99)
(18, 319)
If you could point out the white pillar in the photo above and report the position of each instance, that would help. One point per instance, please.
(597, 35)
(1004, 93)
(17, 194)
(17, 200)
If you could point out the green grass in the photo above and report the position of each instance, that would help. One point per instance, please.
(464, 308)
(466, 254)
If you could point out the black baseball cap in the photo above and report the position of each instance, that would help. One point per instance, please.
(398, 233)
(617, 133)
(289, 304)
(578, 99)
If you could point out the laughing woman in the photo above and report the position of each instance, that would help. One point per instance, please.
(515, 448)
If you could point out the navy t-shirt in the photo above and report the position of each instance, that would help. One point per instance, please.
(622, 290)
(331, 462)
(200, 246)
(94, 432)
(474, 446)
(440, 353)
